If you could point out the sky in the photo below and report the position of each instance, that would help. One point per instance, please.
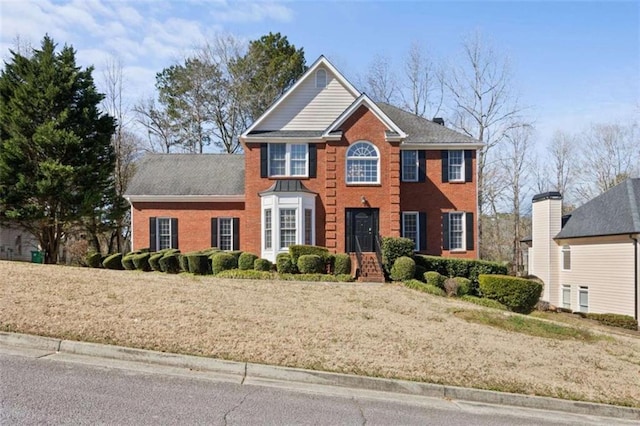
(574, 63)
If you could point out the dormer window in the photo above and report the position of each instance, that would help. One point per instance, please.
(321, 78)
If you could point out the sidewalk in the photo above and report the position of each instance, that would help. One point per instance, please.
(248, 373)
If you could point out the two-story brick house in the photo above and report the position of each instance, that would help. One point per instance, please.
(324, 165)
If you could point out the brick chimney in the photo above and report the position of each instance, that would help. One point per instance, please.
(544, 254)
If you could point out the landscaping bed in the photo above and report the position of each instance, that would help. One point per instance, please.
(385, 331)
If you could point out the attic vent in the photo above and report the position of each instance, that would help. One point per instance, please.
(321, 78)
(438, 120)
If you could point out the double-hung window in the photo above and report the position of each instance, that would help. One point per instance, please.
(363, 164)
(583, 299)
(268, 226)
(225, 233)
(287, 227)
(409, 166)
(308, 227)
(411, 228)
(566, 296)
(456, 165)
(456, 231)
(566, 258)
(288, 159)
(164, 233)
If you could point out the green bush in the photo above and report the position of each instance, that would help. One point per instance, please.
(404, 268)
(464, 285)
(425, 288)
(170, 263)
(94, 260)
(113, 261)
(466, 268)
(245, 274)
(342, 264)
(517, 294)
(434, 278)
(236, 254)
(262, 265)
(154, 261)
(615, 320)
(198, 263)
(295, 251)
(246, 261)
(420, 271)
(394, 248)
(127, 261)
(141, 261)
(310, 264)
(345, 278)
(223, 262)
(284, 265)
(483, 301)
(183, 262)
(210, 251)
(309, 277)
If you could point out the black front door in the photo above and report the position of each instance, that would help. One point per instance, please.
(362, 225)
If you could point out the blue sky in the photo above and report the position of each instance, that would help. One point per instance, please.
(573, 62)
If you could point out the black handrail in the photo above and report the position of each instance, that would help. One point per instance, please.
(358, 256)
(378, 249)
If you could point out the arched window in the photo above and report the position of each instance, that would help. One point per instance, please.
(321, 78)
(363, 163)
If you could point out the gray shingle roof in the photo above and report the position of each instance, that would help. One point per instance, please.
(420, 130)
(188, 174)
(614, 212)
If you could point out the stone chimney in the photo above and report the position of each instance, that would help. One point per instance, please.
(544, 254)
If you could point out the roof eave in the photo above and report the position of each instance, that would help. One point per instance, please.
(434, 145)
(261, 139)
(184, 198)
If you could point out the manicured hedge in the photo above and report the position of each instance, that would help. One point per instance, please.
(425, 288)
(464, 285)
(154, 261)
(483, 301)
(310, 264)
(394, 248)
(223, 262)
(466, 268)
(246, 261)
(517, 294)
(316, 277)
(170, 263)
(94, 260)
(262, 265)
(127, 261)
(295, 251)
(198, 263)
(183, 261)
(342, 264)
(435, 279)
(245, 274)
(113, 261)
(284, 265)
(141, 261)
(615, 320)
(403, 269)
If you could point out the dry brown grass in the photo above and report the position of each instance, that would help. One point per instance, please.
(386, 331)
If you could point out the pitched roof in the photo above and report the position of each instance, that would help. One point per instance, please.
(420, 130)
(614, 212)
(188, 174)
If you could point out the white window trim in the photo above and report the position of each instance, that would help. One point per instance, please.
(326, 79)
(346, 165)
(287, 160)
(562, 288)
(296, 210)
(264, 228)
(158, 219)
(417, 165)
(417, 216)
(582, 289)
(462, 166)
(464, 232)
(565, 249)
(233, 232)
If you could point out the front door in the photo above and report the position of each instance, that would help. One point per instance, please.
(362, 225)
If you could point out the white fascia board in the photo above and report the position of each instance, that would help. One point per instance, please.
(440, 146)
(320, 61)
(365, 100)
(184, 198)
(260, 139)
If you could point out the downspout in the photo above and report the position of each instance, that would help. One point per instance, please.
(635, 267)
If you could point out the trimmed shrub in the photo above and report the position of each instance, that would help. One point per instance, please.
(310, 264)
(517, 294)
(434, 278)
(94, 260)
(284, 265)
(223, 262)
(127, 261)
(345, 278)
(420, 271)
(309, 277)
(113, 261)
(483, 301)
(295, 251)
(141, 261)
(342, 264)
(154, 261)
(615, 320)
(183, 261)
(262, 265)
(464, 285)
(404, 268)
(210, 251)
(198, 263)
(425, 288)
(236, 254)
(170, 263)
(246, 261)
(245, 274)
(466, 268)
(394, 248)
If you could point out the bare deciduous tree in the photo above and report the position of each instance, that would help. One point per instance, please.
(380, 82)
(423, 91)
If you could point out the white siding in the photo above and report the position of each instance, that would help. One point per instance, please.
(544, 255)
(606, 267)
(16, 244)
(310, 108)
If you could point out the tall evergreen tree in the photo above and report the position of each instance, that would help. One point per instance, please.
(56, 158)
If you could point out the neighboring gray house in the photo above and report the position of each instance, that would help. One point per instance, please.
(589, 260)
(16, 243)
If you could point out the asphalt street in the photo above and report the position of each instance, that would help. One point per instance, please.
(73, 389)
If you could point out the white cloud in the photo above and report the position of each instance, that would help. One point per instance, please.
(242, 12)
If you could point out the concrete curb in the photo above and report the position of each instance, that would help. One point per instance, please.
(248, 371)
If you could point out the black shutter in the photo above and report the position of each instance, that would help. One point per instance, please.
(174, 233)
(445, 166)
(401, 169)
(152, 234)
(236, 233)
(348, 232)
(445, 231)
(469, 230)
(313, 160)
(468, 162)
(264, 161)
(214, 232)
(422, 225)
(422, 166)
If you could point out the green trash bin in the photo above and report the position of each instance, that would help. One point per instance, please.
(36, 256)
